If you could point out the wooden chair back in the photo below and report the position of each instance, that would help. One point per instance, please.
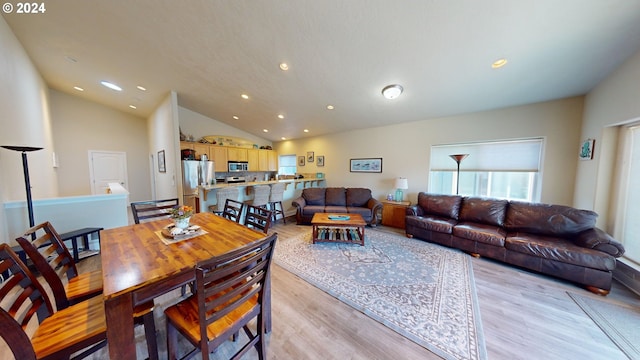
(15, 338)
(233, 210)
(258, 218)
(144, 211)
(229, 294)
(52, 259)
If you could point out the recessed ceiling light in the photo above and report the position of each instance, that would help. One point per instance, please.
(236, 117)
(245, 96)
(499, 63)
(330, 107)
(78, 88)
(141, 88)
(284, 66)
(111, 86)
(392, 91)
(71, 59)
(283, 138)
(306, 130)
(133, 107)
(280, 116)
(265, 130)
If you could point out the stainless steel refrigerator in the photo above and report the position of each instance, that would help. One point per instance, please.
(195, 173)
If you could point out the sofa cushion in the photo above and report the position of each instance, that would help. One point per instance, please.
(335, 196)
(559, 249)
(314, 196)
(484, 233)
(358, 197)
(432, 223)
(440, 205)
(309, 210)
(484, 211)
(548, 219)
(363, 211)
(335, 209)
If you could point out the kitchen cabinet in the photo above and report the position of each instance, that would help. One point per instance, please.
(201, 149)
(186, 145)
(219, 155)
(263, 160)
(272, 158)
(253, 156)
(237, 154)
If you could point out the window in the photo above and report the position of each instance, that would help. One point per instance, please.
(501, 169)
(287, 165)
(627, 226)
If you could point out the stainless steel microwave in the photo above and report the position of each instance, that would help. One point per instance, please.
(237, 166)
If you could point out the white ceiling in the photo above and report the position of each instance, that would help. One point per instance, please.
(340, 52)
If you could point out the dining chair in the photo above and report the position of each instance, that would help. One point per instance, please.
(59, 334)
(233, 210)
(258, 218)
(52, 259)
(230, 294)
(275, 199)
(150, 210)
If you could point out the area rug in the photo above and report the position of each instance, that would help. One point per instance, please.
(423, 291)
(621, 323)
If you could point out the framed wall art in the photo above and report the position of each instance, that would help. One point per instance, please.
(161, 162)
(373, 165)
(310, 156)
(586, 149)
(320, 160)
(300, 160)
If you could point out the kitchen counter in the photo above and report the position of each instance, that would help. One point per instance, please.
(306, 182)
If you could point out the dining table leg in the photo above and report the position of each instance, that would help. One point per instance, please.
(120, 327)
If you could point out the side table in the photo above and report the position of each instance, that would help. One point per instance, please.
(393, 213)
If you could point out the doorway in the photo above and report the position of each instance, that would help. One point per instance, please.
(107, 167)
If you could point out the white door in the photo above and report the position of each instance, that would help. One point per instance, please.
(107, 167)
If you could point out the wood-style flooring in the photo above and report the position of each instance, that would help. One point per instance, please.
(524, 316)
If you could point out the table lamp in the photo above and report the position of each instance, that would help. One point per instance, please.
(401, 184)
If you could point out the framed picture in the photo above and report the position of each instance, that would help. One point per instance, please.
(373, 165)
(586, 149)
(300, 160)
(161, 165)
(320, 160)
(309, 156)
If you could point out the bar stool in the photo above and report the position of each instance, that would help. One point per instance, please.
(260, 196)
(275, 198)
(221, 198)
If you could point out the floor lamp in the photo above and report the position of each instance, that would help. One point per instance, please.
(458, 159)
(27, 183)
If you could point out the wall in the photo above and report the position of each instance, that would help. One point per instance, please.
(614, 101)
(25, 121)
(162, 130)
(198, 125)
(405, 148)
(79, 126)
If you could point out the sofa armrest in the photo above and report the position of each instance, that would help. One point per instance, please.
(599, 240)
(374, 204)
(414, 210)
(299, 202)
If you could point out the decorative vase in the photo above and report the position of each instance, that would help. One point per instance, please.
(182, 223)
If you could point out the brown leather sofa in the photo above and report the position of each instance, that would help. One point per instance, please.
(550, 239)
(336, 200)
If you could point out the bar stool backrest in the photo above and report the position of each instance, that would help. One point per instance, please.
(223, 194)
(277, 192)
(261, 195)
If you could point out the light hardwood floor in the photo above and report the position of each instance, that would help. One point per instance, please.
(524, 316)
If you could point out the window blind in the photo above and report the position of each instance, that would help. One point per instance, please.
(512, 155)
(631, 229)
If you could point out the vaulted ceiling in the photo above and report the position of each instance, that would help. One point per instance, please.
(339, 52)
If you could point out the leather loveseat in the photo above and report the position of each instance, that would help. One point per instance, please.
(336, 200)
(551, 239)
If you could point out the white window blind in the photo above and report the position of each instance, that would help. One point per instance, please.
(513, 155)
(631, 197)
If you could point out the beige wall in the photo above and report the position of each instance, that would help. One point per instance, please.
(25, 121)
(80, 126)
(162, 129)
(405, 148)
(614, 101)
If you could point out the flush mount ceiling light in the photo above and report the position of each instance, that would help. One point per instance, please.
(111, 86)
(78, 88)
(392, 91)
(280, 116)
(235, 117)
(330, 107)
(141, 88)
(284, 66)
(499, 63)
(245, 96)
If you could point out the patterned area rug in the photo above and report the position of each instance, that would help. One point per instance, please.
(423, 291)
(621, 323)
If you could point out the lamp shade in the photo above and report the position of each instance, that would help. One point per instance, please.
(401, 183)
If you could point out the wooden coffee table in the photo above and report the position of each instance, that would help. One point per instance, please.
(344, 231)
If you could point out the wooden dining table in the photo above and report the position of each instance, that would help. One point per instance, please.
(137, 266)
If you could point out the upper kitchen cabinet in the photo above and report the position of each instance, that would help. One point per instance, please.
(201, 149)
(272, 157)
(237, 154)
(252, 157)
(219, 155)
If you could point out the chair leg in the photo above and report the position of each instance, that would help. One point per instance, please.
(150, 335)
(172, 341)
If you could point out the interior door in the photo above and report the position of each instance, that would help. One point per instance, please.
(107, 167)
